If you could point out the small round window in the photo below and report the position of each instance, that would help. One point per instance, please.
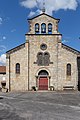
(43, 46)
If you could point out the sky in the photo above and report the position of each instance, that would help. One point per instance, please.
(14, 24)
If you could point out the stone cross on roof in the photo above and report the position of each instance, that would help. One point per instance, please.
(43, 8)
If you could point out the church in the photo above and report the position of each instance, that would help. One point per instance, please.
(43, 62)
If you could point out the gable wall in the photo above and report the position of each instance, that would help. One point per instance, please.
(43, 19)
(18, 81)
(65, 57)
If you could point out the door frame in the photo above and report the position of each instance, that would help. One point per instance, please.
(38, 76)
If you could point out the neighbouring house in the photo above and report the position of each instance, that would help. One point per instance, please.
(2, 77)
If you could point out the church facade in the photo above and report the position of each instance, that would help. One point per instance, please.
(43, 62)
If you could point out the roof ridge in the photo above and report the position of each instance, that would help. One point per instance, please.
(43, 14)
(15, 48)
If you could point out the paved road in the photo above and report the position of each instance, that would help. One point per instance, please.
(40, 106)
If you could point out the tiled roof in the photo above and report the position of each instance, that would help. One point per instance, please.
(16, 48)
(2, 69)
(70, 49)
(44, 14)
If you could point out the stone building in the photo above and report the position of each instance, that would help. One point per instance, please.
(2, 76)
(43, 62)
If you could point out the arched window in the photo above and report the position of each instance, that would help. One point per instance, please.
(46, 58)
(36, 28)
(68, 69)
(18, 68)
(43, 28)
(40, 59)
(49, 28)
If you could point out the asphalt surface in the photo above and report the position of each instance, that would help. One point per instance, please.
(40, 106)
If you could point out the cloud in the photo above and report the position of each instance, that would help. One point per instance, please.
(4, 20)
(50, 5)
(65, 41)
(29, 3)
(33, 13)
(2, 38)
(13, 30)
(2, 48)
(3, 59)
(1, 20)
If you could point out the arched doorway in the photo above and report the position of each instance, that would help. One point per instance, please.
(43, 80)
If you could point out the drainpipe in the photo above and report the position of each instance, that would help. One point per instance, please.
(9, 75)
(28, 65)
(57, 63)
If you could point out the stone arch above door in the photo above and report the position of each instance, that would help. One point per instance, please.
(43, 80)
(42, 69)
(43, 73)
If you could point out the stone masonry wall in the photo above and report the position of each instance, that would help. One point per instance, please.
(18, 81)
(65, 57)
(43, 19)
(34, 48)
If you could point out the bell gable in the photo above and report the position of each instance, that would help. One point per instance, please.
(43, 24)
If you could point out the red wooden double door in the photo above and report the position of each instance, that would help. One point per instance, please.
(43, 83)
